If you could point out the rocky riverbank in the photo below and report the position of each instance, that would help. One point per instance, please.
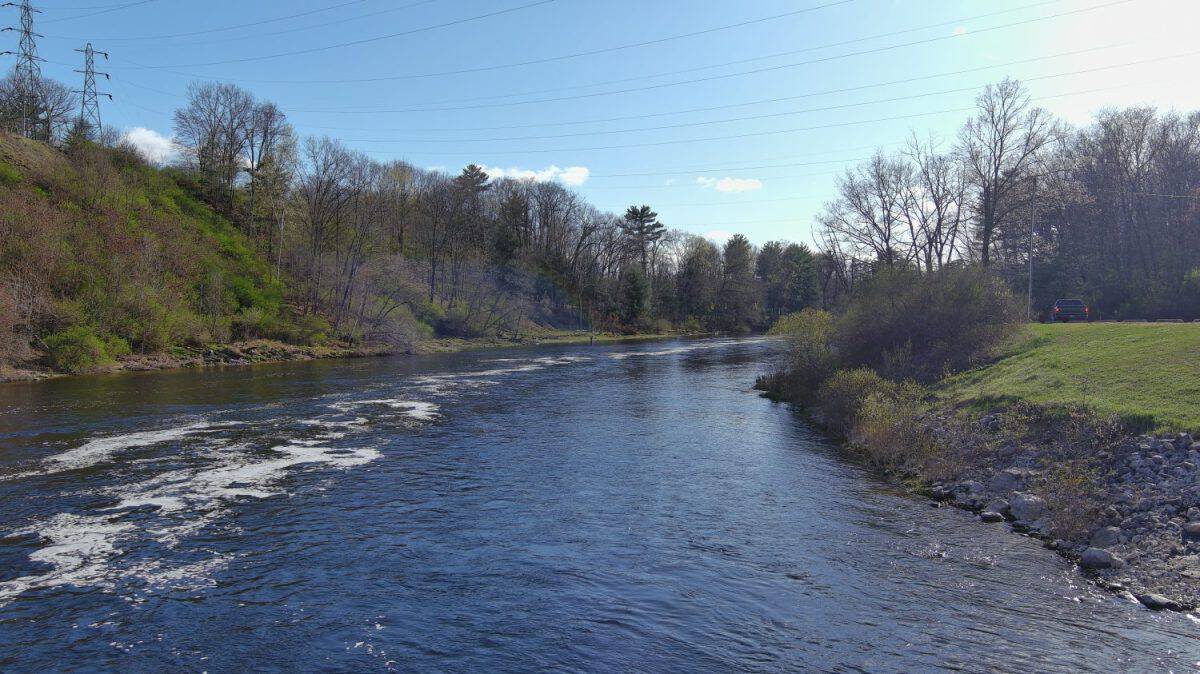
(237, 353)
(1125, 508)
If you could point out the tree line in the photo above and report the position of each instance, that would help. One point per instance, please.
(379, 246)
(1109, 212)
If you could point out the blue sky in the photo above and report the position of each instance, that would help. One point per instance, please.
(720, 127)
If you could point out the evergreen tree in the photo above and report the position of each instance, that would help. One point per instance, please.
(739, 308)
(635, 296)
(801, 278)
(699, 279)
(642, 227)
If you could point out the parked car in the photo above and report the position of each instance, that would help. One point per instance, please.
(1066, 311)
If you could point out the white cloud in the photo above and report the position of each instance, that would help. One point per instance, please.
(152, 145)
(718, 236)
(730, 184)
(571, 175)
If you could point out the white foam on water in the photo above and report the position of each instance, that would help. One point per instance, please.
(415, 409)
(80, 548)
(529, 365)
(99, 450)
(450, 383)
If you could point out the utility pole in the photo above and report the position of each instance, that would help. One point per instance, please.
(1032, 221)
(29, 70)
(89, 106)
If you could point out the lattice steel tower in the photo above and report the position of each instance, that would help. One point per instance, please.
(29, 69)
(89, 105)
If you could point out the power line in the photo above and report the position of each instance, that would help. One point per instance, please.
(89, 106)
(606, 50)
(710, 78)
(564, 56)
(375, 110)
(775, 132)
(87, 7)
(710, 108)
(299, 29)
(676, 185)
(115, 8)
(674, 171)
(826, 92)
(28, 69)
(261, 22)
(377, 38)
(746, 118)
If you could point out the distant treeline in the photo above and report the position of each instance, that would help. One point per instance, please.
(1110, 212)
(369, 243)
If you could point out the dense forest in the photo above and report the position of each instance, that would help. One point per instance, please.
(257, 233)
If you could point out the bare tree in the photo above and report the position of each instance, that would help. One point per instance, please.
(999, 147)
(933, 202)
(868, 217)
(214, 128)
(322, 196)
(53, 107)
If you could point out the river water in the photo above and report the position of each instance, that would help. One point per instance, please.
(608, 508)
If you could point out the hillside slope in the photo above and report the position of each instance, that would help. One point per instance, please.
(102, 255)
(1148, 373)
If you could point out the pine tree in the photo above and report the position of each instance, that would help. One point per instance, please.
(642, 227)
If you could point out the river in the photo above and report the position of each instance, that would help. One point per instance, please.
(606, 508)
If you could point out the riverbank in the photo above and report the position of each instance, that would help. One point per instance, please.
(1077, 435)
(270, 351)
(236, 353)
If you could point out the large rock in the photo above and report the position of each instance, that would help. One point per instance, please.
(1008, 480)
(1099, 558)
(1191, 531)
(1026, 507)
(1157, 602)
(998, 505)
(1106, 537)
(968, 494)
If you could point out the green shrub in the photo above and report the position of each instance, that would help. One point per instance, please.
(116, 347)
(77, 349)
(251, 323)
(9, 175)
(888, 432)
(811, 357)
(907, 325)
(310, 330)
(842, 396)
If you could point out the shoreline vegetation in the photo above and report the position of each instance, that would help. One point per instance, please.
(264, 351)
(1067, 432)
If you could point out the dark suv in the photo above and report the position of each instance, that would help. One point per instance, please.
(1066, 311)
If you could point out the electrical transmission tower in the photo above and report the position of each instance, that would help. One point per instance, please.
(89, 107)
(29, 69)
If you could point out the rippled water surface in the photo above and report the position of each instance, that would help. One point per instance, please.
(614, 508)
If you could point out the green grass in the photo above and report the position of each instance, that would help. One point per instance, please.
(1148, 373)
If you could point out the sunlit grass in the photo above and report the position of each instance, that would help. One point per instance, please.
(1149, 373)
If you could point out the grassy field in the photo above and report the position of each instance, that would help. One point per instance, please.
(1149, 373)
